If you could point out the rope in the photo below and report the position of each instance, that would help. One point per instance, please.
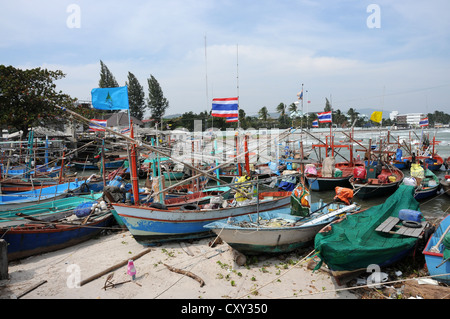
(364, 286)
(281, 275)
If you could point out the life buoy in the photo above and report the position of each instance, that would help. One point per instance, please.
(411, 224)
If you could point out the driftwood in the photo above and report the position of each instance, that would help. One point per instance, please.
(239, 258)
(31, 288)
(186, 273)
(123, 263)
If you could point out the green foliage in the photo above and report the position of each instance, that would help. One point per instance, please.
(28, 97)
(135, 97)
(107, 79)
(157, 103)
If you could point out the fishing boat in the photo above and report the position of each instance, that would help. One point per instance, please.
(425, 187)
(445, 184)
(373, 185)
(276, 231)
(447, 162)
(22, 199)
(22, 171)
(338, 174)
(379, 235)
(437, 252)
(173, 175)
(55, 209)
(46, 235)
(91, 165)
(327, 175)
(434, 162)
(151, 225)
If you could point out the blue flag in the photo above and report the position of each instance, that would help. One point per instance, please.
(110, 98)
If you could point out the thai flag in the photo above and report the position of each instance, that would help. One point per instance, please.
(423, 122)
(125, 130)
(315, 123)
(324, 117)
(96, 128)
(232, 119)
(227, 107)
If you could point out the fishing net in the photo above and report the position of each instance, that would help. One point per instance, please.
(446, 242)
(354, 244)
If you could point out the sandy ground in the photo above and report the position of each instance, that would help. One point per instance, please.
(60, 272)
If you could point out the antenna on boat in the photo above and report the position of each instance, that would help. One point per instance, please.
(237, 79)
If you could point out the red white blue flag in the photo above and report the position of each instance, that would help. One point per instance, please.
(324, 117)
(226, 107)
(315, 123)
(95, 128)
(423, 122)
(232, 119)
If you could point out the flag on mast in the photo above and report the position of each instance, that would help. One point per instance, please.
(225, 107)
(324, 117)
(115, 98)
(97, 128)
(377, 116)
(315, 123)
(423, 122)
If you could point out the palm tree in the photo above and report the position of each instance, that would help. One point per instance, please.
(263, 114)
(281, 108)
(353, 114)
(293, 107)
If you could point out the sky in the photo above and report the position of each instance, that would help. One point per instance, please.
(384, 55)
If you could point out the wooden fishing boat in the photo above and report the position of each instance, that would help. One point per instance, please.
(173, 175)
(385, 183)
(22, 171)
(434, 162)
(370, 237)
(41, 236)
(437, 252)
(14, 185)
(84, 165)
(151, 225)
(276, 231)
(428, 186)
(445, 184)
(90, 165)
(320, 182)
(55, 209)
(447, 162)
(22, 199)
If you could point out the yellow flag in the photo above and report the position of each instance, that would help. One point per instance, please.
(377, 116)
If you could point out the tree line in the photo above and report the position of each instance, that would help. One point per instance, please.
(28, 99)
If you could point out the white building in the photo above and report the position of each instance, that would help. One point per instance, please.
(409, 119)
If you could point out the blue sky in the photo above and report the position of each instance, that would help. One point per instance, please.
(267, 47)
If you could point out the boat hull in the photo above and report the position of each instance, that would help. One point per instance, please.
(36, 239)
(23, 199)
(150, 225)
(445, 186)
(327, 183)
(256, 240)
(434, 259)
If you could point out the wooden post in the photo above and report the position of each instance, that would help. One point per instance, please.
(3, 259)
